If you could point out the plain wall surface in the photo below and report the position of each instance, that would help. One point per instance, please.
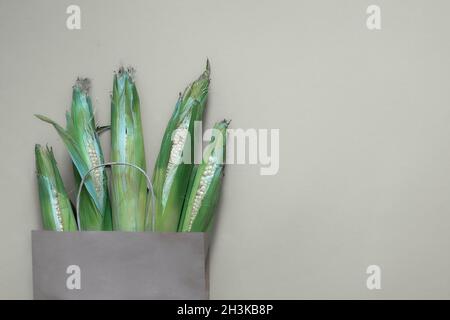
(364, 119)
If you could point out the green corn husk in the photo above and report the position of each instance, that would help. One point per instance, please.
(82, 142)
(56, 209)
(171, 174)
(204, 189)
(128, 187)
(90, 216)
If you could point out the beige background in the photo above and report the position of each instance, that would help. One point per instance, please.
(364, 121)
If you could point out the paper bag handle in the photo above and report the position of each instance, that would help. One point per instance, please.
(109, 165)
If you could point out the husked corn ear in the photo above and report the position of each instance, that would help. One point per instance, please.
(82, 142)
(171, 174)
(128, 185)
(204, 190)
(56, 209)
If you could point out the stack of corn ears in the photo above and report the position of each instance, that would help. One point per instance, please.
(82, 142)
(185, 194)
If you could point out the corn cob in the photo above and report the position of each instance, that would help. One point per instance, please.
(204, 190)
(56, 209)
(82, 142)
(128, 185)
(171, 174)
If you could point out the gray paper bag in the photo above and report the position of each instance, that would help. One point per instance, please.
(119, 265)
